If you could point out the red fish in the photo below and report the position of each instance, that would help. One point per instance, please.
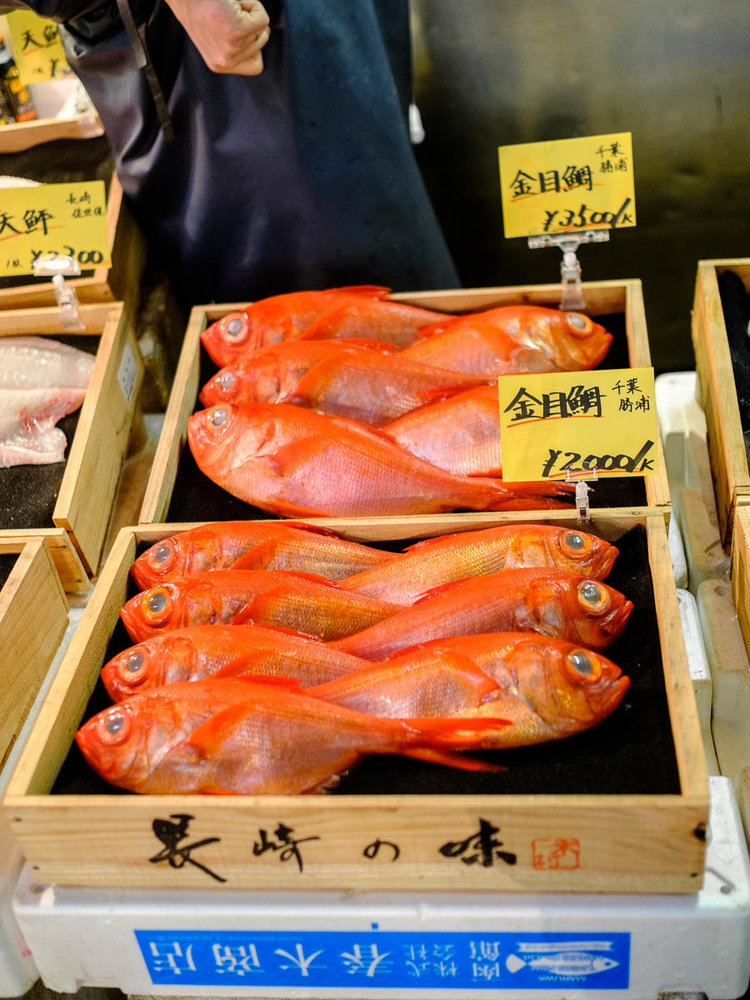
(199, 651)
(305, 604)
(295, 462)
(437, 561)
(303, 548)
(460, 434)
(271, 374)
(513, 339)
(376, 388)
(548, 687)
(367, 312)
(551, 601)
(238, 736)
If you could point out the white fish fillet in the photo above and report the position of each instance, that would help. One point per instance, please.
(35, 362)
(28, 435)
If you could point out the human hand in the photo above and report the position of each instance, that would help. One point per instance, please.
(229, 34)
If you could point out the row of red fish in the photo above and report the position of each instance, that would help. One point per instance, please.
(273, 679)
(345, 402)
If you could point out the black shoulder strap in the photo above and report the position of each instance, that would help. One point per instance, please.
(143, 61)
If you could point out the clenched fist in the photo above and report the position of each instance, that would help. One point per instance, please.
(229, 34)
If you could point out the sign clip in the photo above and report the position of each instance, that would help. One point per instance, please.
(570, 268)
(56, 266)
(582, 491)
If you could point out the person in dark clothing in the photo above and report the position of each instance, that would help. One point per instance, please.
(263, 148)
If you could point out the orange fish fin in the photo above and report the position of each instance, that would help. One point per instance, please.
(452, 759)
(432, 328)
(479, 680)
(207, 739)
(426, 542)
(455, 731)
(440, 393)
(370, 291)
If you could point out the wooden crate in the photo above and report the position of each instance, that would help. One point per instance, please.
(18, 136)
(630, 349)
(618, 826)
(33, 618)
(94, 459)
(120, 281)
(729, 465)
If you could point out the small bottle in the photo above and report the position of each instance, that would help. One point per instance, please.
(14, 90)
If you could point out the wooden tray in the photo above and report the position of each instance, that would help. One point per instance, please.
(82, 489)
(33, 618)
(622, 809)
(175, 477)
(726, 448)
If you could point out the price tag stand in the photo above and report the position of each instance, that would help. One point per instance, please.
(570, 268)
(58, 266)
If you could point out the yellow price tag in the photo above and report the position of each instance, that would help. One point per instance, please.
(65, 219)
(567, 186)
(574, 422)
(37, 47)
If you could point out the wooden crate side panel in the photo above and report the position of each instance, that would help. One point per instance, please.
(84, 504)
(683, 711)
(173, 437)
(18, 322)
(740, 571)
(68, 565)
(716, 379)
(600, 297)
(33, 619)
(65, 702)
(110, 841)
(24, 135)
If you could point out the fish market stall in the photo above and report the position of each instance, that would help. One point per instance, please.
(69, 502)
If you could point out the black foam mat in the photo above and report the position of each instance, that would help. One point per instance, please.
(735, 304)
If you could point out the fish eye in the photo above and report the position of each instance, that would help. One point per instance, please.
(235, 327)
(593, 597)
(162, 554)
(583, 665)
(135, 661)
(155, 605)
(217, 417)
(114, 726)
(227, 381)
(575, 544)
(578, 322)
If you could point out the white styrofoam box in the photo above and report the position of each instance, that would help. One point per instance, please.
(429, 945)
(18, 972)
(677, 553)
(700, 673)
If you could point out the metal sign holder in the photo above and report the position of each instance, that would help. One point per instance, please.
(570, 268)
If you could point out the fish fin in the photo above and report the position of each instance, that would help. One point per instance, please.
(479, 680)
(432, 328)
(455, 731)
(207, 739)
(439, 393)
(457, 760)
(369, 291)
(258, 609)
(315, 529)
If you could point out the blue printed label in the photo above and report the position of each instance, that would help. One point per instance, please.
(387, 959)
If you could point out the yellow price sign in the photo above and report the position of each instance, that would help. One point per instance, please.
(69, 220)
(567, 186)
(37, 47)
(574, 422)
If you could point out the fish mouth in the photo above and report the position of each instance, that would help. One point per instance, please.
(608, 561)
(613, 624)
(614, 695)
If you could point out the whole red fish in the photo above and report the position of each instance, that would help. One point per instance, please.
(553, 602)
(437, 561)
(238, 736)
(512, 339)
(271, 374)
(548, 687)
(295, 462)
(361, 311)
(199, 651)
(302, 603)
(460, 434)
(298, 547)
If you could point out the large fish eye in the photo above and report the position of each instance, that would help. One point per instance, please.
(583, 665)
(593, 597)
(114, 725)
(575, 545)
(155, 605)
(235, 327)
(162, 555)
(226, 381)
(578, 322)
(217, 417)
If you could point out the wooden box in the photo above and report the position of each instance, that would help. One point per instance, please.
(33, 618)
(726, 447)
(618, 304)
(70, 503)
(621, 810)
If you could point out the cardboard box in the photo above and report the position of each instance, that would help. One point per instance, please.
(176, 491)
(621, 808)
(70, 503)
(713, 360)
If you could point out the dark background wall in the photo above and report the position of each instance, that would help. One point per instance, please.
(675, 73)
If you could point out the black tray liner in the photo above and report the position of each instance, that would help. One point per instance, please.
(197, 498)
(7, 562)
(28, 493)
(631, 752)
(735, 304)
